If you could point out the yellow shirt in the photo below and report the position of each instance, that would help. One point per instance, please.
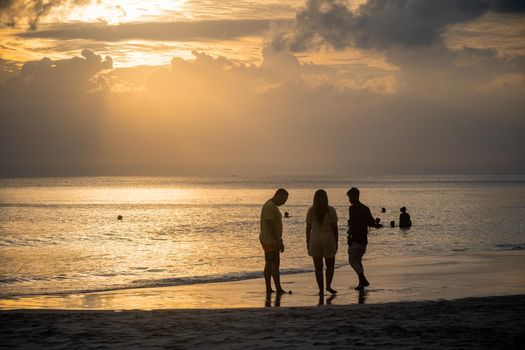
(271, 212)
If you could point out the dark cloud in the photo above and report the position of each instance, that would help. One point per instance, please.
(65, 75)
(14, 12)
(169, 31)
(383, 23)
(507, 6)
(51, 111)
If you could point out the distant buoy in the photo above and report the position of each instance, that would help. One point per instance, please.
(119, 217)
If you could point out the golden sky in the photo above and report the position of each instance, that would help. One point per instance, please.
(239, 31)
(211, 70)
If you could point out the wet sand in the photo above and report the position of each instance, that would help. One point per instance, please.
(414, 302)
(459, 275)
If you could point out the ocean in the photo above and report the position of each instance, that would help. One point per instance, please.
(62, 235)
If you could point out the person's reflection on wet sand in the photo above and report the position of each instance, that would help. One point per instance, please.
(362, 296)
(268, 300)
(328, 300)
(277, 301)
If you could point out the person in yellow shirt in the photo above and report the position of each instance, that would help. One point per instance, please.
(271, 238)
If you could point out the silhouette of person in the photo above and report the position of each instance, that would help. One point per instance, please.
(383, 210)
(322, 239)
(404, 219)
(378, 223)
(286, 214)
(271, 231)
(359, 220)
(392, 223)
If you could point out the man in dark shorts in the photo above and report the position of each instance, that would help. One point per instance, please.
(271, 238)
(359, 220)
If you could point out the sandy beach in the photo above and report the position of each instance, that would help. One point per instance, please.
(474, 300)
(476, 323)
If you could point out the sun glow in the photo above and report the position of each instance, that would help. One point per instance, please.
(121, 11)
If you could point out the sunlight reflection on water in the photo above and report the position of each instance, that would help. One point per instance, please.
(63, 234)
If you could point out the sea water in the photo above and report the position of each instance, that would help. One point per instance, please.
(62, 235)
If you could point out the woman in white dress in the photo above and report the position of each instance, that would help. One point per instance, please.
(321, 239)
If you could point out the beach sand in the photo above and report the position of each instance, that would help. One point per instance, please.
(413, 302)
(477, 323)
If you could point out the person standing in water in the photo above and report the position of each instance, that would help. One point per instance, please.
(321, 239)
(270, 236)
(359, 220)
(404, 219)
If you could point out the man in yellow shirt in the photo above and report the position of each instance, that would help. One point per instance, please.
(271, 237)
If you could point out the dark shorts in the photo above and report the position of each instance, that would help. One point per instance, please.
(271, 253)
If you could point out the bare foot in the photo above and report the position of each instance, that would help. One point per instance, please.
(270, 291)
(331, 290)
(360, 287)
(282, 291)
(321, 293)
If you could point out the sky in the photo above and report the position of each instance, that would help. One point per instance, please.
(188, 87)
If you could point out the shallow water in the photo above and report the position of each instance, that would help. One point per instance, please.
(62, 235)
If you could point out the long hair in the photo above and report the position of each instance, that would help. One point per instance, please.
(320, 205)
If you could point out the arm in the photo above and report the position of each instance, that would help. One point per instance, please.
(371, 220)
(335, 232)
(308, 233)
(349, 220)
(349, 231)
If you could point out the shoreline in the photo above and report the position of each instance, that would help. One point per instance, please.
(396, 279)
(426, 302)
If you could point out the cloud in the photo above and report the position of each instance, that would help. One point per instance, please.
(72, 74)
(507, 84)
(380, 24)
(48, 112)
(168, 31)
(8, 69)
(16, 12)
(77, 117)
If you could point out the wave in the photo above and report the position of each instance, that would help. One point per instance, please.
(11, 280)
(510, 246)
(26, 242)
(155, 283)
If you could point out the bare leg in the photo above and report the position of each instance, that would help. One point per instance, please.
(363, 279)
(277, 277)
(318, 264)
(268, 276)
(355, 255)
(330, 266)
